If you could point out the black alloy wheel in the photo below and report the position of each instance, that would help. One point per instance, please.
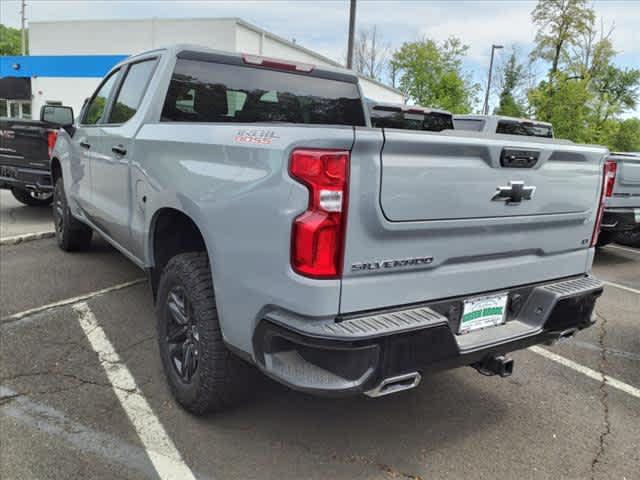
(183, 339)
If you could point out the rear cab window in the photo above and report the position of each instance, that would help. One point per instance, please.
(395, 117)
(203, 91)
(529, 129)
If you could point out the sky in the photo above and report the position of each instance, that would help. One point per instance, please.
(322, 25)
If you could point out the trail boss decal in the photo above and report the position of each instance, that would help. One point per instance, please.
(390, 264)
(255, 136)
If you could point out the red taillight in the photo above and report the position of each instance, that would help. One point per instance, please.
(317, 237)
(52, 136)
(608, 181)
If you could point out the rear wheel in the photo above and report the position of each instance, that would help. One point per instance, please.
(631, 239)
(71, 234)
(33, 199)
(203, 375)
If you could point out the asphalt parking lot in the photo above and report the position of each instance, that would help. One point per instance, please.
(82, 394)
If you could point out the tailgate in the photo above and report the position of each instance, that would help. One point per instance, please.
(24, 144)
(448, 178)
(425, 223)
(626, 191)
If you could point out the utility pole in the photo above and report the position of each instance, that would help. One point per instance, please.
(485, 109)
(352, 26)
(22, 20)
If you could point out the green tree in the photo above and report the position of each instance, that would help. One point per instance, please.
(431, 74)
(10, 41)
(512, 77)
(560, 24)
(627, 137)
(568, 109)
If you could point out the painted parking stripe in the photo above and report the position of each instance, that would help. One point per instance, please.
(621, 287)
(626, 249)
(72, 300)
(593, 374)
(81, 437)
(27, 237)
(162, 452)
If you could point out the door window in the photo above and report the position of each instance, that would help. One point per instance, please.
(132, 91)
(96, 108)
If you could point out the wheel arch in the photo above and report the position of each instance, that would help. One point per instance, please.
(56, 169)
(171, 232)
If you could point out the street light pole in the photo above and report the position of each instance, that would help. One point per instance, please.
(352, 26)
(485, 109)
(22, 21)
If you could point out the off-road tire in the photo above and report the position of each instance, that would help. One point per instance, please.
(71, 234)
(221, 379)
(26, 197)
(631, 239)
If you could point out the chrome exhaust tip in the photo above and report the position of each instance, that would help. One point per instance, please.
(395, 384)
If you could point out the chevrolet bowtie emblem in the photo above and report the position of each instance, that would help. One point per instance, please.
(514, 193)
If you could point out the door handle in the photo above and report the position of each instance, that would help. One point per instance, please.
(119, 150)
(85, 145)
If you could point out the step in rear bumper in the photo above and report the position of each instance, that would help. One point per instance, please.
(351, 354)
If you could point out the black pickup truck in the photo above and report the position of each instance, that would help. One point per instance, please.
(25, 149)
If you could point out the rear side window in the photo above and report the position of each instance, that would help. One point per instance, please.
(132, 91)
(214, 92)
(524, 128)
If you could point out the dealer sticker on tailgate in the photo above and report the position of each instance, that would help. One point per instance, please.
(483, 312)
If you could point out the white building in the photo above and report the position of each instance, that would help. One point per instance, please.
(103, 42)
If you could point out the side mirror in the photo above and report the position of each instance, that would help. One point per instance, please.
(57, 114)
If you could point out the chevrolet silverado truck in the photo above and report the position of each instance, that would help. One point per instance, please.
(503, 125)
(25, 149)
(281, 231)
(621, 219)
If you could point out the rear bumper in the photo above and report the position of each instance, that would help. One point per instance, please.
(621, 219)
(355, 353)
(36, 180)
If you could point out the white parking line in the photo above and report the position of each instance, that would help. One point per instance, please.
(162, 452)
(621, 287)
(626, 249)
(27, 237)
(69, 301)
(617, 384)
(83, 438)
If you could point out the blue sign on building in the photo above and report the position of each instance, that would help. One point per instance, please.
(58, 65)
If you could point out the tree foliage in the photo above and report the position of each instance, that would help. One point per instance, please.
(512, 76)
(560, 23)
(431, 74)
(10, 41)
(585, 94)
(370, 53)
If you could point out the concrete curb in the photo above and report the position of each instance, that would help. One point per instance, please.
(27, 237)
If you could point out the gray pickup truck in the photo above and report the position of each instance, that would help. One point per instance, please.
(621, 220)
(279, 229)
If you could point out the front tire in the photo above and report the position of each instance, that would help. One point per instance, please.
(71, 234)
(32, 199)
(203, 375)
